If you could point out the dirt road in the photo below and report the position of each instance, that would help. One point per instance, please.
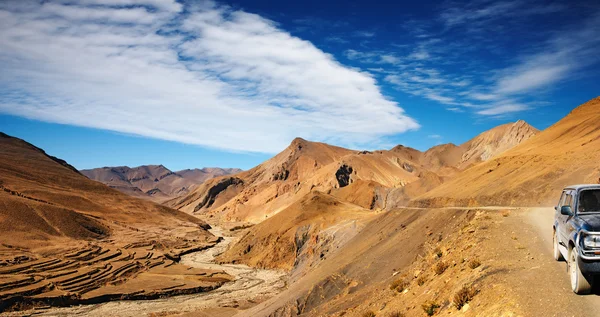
(552, 285)
(250, 286)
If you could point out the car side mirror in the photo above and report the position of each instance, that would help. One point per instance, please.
(566, 210)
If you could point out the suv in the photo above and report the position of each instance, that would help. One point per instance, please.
(577, 234)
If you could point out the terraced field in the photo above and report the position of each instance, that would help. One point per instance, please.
(96, 273)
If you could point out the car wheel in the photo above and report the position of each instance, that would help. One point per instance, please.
(579, 283)
(556, 253)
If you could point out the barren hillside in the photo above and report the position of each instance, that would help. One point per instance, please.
(301, 235)
(534, 172)
(65, 239)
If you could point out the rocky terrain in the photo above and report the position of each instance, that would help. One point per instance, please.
(155, 182)
(65, 239)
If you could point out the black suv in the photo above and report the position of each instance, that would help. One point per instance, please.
(577, 234)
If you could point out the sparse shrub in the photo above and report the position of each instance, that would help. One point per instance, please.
(463, 296)
(395, 314)
(474, 263)
(430, 308)
(487, 217)
(438, 252)
(421, 280)
(368, 314)
(440, 267)
(399, 285)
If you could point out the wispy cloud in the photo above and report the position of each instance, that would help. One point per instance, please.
(336, 39)
(364, 34)
(500, 109)
(373, 57)
(478, 13)
(205, 74)
(446, 64)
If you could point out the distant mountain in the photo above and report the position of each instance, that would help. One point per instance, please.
(370, 179)
(154, 182)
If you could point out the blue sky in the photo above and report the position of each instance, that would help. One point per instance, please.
(203, 83)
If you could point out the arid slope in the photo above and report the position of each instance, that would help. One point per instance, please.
(65, 239)
(534, 172)
(300, 235)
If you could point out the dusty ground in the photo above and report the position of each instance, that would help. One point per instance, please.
(516, 275)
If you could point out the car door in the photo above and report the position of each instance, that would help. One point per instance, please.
(564, 219)
(558, 218)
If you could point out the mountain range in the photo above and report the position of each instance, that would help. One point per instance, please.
(365, 178)
(154, 182)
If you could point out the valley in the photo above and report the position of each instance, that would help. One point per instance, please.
(247, 287)
(317, 230)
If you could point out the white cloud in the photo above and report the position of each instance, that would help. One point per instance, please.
(419, 55)
(529, 78)
(503, 109)
(440, 99)
(482, 96)
(434, 136)
(373, 57)
(213, 76)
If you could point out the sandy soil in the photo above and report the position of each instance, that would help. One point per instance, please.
(249, 287)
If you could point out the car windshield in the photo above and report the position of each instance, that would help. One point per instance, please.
(589, 200)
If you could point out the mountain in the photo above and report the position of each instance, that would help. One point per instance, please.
(154, 182)
(65, 239)
(369, 179)
(302, 167)
(299, 236)
(534, 172)
(496, 141)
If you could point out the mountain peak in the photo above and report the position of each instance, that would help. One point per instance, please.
(497, 140)
(299, 143)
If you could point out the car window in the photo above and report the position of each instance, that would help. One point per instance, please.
(568, 201)
(589, 200)
(562, 199)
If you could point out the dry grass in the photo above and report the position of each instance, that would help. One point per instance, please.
(395, 314)
(430, 308)
(399, 285)
(440, 267)
(368, 314)
(474, 263)
(463, 296)
(421, 280)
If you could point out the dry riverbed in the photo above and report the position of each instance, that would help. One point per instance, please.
(250, 286)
